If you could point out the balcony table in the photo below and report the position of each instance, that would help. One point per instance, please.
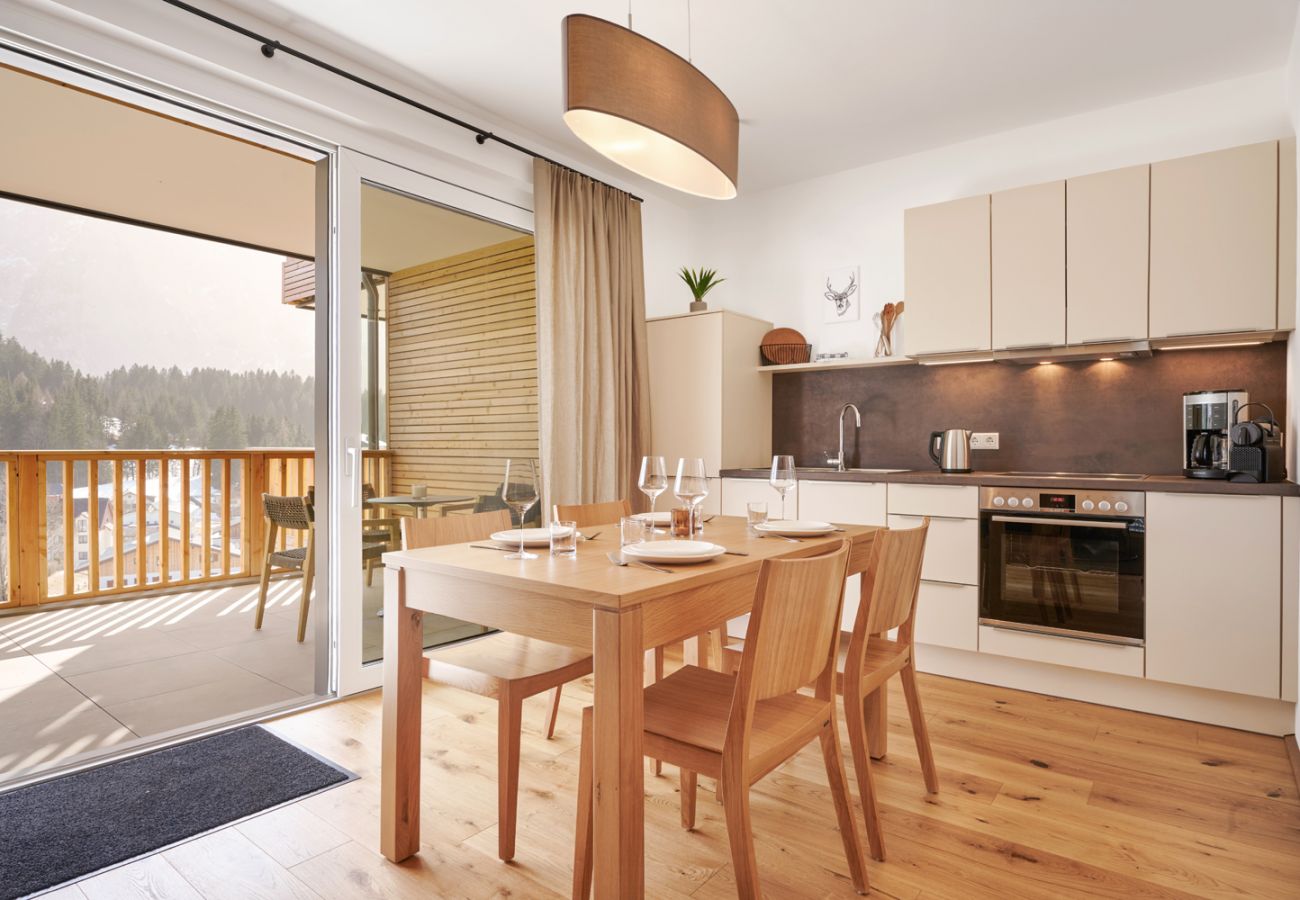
(586, 602)
(421, 505)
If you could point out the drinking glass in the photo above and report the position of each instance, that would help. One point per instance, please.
(519, 491)
(691, 485)
(783, 478)
(631, 530)
(564, 538)
(756, 512)
(653, 482)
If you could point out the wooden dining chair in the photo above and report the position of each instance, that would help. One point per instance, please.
(738, 728)
(385, 530)
(290, 514)
(508, 667)
(890, 586)
(589, 514)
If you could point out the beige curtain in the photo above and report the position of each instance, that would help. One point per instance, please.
(593, 377)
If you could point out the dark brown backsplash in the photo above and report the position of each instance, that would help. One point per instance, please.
(1120, 416)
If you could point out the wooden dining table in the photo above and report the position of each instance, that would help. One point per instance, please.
(616, 612)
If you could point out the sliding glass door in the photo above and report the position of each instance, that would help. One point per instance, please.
(440, 333)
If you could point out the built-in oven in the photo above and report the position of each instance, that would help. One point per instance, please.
(1064, 562)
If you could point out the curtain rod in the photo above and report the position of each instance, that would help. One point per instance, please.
(481, 135)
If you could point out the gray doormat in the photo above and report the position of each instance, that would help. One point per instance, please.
(77, 824)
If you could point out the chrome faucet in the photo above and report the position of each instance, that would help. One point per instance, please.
(838, 461)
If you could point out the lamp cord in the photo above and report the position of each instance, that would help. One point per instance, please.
(689, 53)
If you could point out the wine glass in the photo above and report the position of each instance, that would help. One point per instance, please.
(691, 485)
(519, 491)
(653, 482)
(783, 477)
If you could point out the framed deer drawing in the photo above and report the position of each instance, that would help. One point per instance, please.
(842, 295)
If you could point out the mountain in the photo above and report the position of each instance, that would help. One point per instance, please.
(46, 404)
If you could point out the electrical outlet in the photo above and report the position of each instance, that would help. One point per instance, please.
(984, 440)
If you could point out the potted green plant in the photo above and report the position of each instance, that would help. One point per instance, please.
(700, 281)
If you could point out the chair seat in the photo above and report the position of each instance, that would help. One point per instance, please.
(481, 665)
(691, 706)
(373, 549)
(883, 659)
(291, 558)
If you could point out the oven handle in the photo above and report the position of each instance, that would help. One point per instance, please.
(1071, 523)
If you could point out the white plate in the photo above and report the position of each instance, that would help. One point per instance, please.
(533, 537)
(795, 528)
(656, 518)
(674, 551)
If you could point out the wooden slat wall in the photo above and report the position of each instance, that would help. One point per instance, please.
(462, 368)
(298, 282)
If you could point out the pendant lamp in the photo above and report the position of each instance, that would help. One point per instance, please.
(648, 109)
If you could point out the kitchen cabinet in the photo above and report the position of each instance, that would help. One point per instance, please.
(1214, 231)
(1286, 235)
(947, 603)
(946, 277)
(1117, 659)
(1213, 591)
(1290, 597)
(947, 615)
(952, 548)
(1028, 266)
(738, 492)
(1107, 231)
(707, 398)
(849, 503)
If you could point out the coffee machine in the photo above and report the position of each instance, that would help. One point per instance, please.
(1207, 424)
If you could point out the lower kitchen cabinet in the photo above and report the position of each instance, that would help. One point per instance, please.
(952, 548)
(1214, 592)
(947, 615)
(847, 503)
(739, 492)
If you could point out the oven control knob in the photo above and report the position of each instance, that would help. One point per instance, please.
(1087, 505)
(999, 501)
(1013, 501)
(1104, 505)
(1121, 506)
(1027, 502)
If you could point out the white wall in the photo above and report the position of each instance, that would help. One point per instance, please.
(161, 44)
(1293, 356)
(775, 246)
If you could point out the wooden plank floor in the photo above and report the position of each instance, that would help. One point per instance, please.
(1040, 798)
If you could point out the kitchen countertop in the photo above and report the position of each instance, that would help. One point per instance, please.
(1168, 483)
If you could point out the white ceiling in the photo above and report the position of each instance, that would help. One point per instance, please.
(821, 85)
(398, 232)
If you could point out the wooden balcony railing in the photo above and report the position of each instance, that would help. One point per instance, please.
(73, 525)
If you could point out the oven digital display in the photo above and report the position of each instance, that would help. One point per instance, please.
(1056, 501)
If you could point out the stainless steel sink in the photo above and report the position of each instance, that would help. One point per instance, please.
(820, 469)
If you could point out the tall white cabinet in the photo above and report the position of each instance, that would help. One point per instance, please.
(707, 398)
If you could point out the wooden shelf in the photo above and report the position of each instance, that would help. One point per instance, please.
(840, 364)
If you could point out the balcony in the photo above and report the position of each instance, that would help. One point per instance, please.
(129, 584)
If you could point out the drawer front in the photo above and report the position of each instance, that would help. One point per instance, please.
(947, 615)
(955, 501)
(952, 548)
(1117, 659)
(845, 503)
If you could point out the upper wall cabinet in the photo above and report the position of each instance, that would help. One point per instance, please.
(1028, 247)
(946, 276)
(1286, 296)
(1214, 242)
(1106, 238)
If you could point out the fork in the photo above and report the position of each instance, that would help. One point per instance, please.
(618, 559)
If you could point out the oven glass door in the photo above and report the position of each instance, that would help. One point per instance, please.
(1064, 575)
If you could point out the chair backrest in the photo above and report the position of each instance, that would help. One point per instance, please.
(794, 626)
(891, 582)
(588, 514)
(436, 531)
(368, 491)
(286, 512)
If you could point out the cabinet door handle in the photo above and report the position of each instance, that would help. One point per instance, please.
(1068, 523)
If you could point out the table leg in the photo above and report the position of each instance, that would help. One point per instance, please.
(877, 717)
(618, 767)
(400, 747)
